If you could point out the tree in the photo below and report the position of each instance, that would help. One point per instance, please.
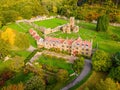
(115, 73)
(102, 23)
(26, 12)
(35, 83)
(21, 41)
(9, 16)
(115, 70)
(19, 86)
(4, 49)
(78, 64)
(62, 75)
(116, 59)
(17, 63)
(101, 61)
(9, 36)
(107, 84)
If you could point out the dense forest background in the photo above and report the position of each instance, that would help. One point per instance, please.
(11, 10)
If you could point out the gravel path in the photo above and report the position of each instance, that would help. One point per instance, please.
(68, 58)
(31, 48)
(36, 56)
(85, 71)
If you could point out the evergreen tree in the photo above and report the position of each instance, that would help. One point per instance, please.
(103, 23)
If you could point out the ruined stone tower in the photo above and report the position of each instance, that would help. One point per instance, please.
(72, 22)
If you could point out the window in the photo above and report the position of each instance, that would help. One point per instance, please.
(86, 45)
(86, 53)
(87, 50)
(83, 53)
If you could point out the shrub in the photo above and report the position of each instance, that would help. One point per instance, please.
(51, 80)
(115, 37)
(78, 64)
(62, 75)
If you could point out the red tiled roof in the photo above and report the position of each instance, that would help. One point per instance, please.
(37, 37)
(54, 39)
(69, 41)
(80, 41)
(30, 31)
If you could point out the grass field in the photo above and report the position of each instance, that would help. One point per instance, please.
(51, 23)
(93, 79)
(87, 32)
(22, 53)
(55, 62)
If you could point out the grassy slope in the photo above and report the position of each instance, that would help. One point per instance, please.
(91, 82)
(51, 23)
(59, 63)
(87, 32)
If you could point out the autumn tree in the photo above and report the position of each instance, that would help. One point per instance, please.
(21, 41)
(101, 61)
(35, 83)
(18, 86)
(62, 75)
(78, 64)
(9, 36)
(107, 84)
(17, 63)
(4, 49)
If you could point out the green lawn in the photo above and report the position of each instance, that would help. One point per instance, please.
(4, 65)
(51, 23)
(22, 53)
(55, 62)
(87, 32)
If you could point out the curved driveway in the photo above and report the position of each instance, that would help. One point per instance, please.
(85, 71)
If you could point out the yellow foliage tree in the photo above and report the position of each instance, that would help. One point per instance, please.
(9, 36)
(19, 86)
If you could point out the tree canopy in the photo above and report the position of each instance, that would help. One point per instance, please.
(107, 84)
(35, 83)
(101, 61)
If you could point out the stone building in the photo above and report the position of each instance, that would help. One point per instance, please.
(70, 27)
(75, 47)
